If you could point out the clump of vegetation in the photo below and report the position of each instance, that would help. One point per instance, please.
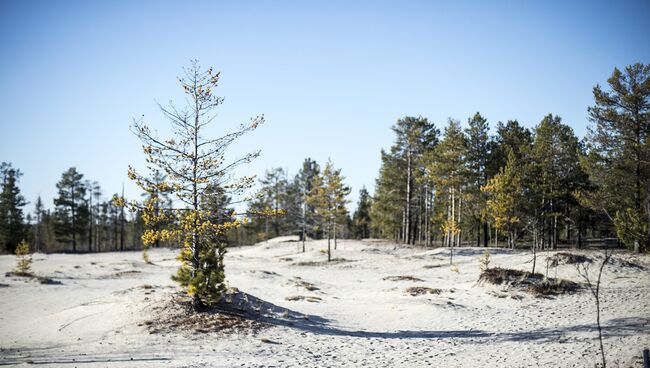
(625, 263)
(402, 278)
(24, 265)
(534, 283)
(321, 263)
(311, 299)
(484, 261)
(420, 290)
(454, 268)
(23, 260)
(567, 258)
(307, 285)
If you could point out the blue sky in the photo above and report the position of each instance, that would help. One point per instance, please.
(331, 77)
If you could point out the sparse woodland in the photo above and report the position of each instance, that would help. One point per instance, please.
(443, 185)
(451, 184)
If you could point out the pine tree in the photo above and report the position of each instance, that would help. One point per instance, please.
(328, 196)
(39, 226)
(23, 259)
(554, 175)
(274, 191)
(448, 171)
(339, 192)
(12, 223)
(93, 190)
(292, 220)
(192, 163)
(402, 190)
(71, 210)
(619, 153)
(361, 219)
(505, 191)
(387, 211)
(511, 136)
(113, 221)
(478, 145)
(305, 178)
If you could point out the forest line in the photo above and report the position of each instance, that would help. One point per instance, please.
(437, 185)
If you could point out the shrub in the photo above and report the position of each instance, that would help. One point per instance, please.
(484, 261)
(23, 259)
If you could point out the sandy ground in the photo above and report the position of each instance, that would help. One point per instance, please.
(326, 315)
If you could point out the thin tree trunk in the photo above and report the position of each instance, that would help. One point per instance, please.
(90, 223)
(407, 236)
(329, 250)
(555, 232)
(304, 233)
(579, 234)
(196, 300)
(425, 218)
(486, 233)
(460, 205)
(74, 227)
(534, 248)
(597, 295)
(402, 230)
(122, 223)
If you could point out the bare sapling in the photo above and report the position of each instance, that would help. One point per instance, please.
(594, 288)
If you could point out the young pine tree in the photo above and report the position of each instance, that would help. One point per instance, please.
(23, 259)
(192, 163)
(504, 192)
(328, 197)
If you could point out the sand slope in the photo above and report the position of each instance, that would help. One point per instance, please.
(353, 312)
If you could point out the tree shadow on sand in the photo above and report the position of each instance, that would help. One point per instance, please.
(249, 306)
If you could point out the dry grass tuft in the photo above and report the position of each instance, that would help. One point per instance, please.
(535, 284)
(321, 263)
(421, 290)
(302, 283)
(563, 258)
(402, 278)
(42, 279)
(311, 299)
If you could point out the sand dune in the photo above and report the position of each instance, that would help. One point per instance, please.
(378, 304)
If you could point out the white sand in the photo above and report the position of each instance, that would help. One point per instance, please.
(96, 317)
